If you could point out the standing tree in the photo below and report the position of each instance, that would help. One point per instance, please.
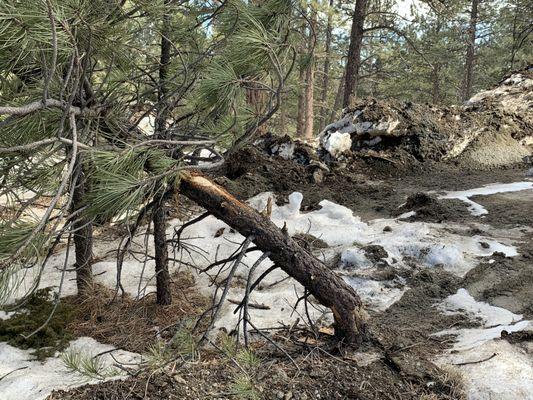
(466, 92)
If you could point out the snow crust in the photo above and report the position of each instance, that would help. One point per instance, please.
(38, 379)
(478, 209)
(492, 368)
(491, 316)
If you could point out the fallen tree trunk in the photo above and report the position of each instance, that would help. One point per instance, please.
(327, 287)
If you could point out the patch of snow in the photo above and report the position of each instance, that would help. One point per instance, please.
(491, 316)
(284, 150)
(38, 379)
(507, 375)
(481, 357)
(406, 215)
(338, 143)
(478, 209)
(376, 295)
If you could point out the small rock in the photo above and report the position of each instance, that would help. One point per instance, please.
(318, 176)
(180, 380)
(484, 245)
(288, 395)
(529, 172)
(279, 395)
(387, 229)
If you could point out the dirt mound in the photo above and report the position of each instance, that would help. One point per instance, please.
(494, 128)
(429, 208)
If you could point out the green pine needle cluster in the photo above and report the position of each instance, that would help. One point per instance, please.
(120, 184)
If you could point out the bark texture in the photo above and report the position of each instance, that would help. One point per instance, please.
(325, 76)
(470, 52)
(164, 296)
(310, 81)
(327, 287)
(353, 63)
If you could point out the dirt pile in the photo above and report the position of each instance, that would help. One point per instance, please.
(493, 128)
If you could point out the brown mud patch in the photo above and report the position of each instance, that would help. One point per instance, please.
(371, 188)
(507, 282)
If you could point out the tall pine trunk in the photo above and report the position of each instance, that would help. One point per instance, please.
(158, 216)
(338, 98)
(470, 53)
(327, 65)
(310, 82)
(353, 63)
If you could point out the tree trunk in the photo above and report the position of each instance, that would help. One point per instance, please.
(310, 82)
(327, 287)
(300, 117)
(338, 98)
(164, 296)
(470, 52)
(283, 115)
(435, 83)
(159, 217)
(354, 53)
(83, 236)
(327, 64)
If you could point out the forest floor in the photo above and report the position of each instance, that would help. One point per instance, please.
(449, 292)
(480, 347)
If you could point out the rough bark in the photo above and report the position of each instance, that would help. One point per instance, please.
(325, 71)
(300, 116)
(83, 237)
(158, 217)
(310, 82)
(327, 287)
(338, 98)
(353, 63)
(164, 296)
(470, 52)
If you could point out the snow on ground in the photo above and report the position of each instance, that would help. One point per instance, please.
(35, 380)
(492, 368)
(491, 316)
(478, 209)
(406, 243)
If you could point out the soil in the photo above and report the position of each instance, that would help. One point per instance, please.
(394, 361)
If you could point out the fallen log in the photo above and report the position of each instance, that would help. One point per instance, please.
(326, 286)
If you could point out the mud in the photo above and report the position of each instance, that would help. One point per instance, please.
(493, 129)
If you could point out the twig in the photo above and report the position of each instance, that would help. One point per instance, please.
(478, 361)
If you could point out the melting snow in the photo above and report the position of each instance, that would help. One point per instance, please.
(482, 357)
(478, 209)
(425, 244)
(491, 316)
(36, 379)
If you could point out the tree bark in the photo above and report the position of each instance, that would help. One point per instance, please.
(164, 295)
(327, 64)
(310, 81)
(435, 83)
(338, 98)
(327, 287)
(470, 52)
(353, 63)
(159, 217)
(83, 236)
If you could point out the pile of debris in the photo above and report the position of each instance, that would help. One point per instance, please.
(493, 128)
